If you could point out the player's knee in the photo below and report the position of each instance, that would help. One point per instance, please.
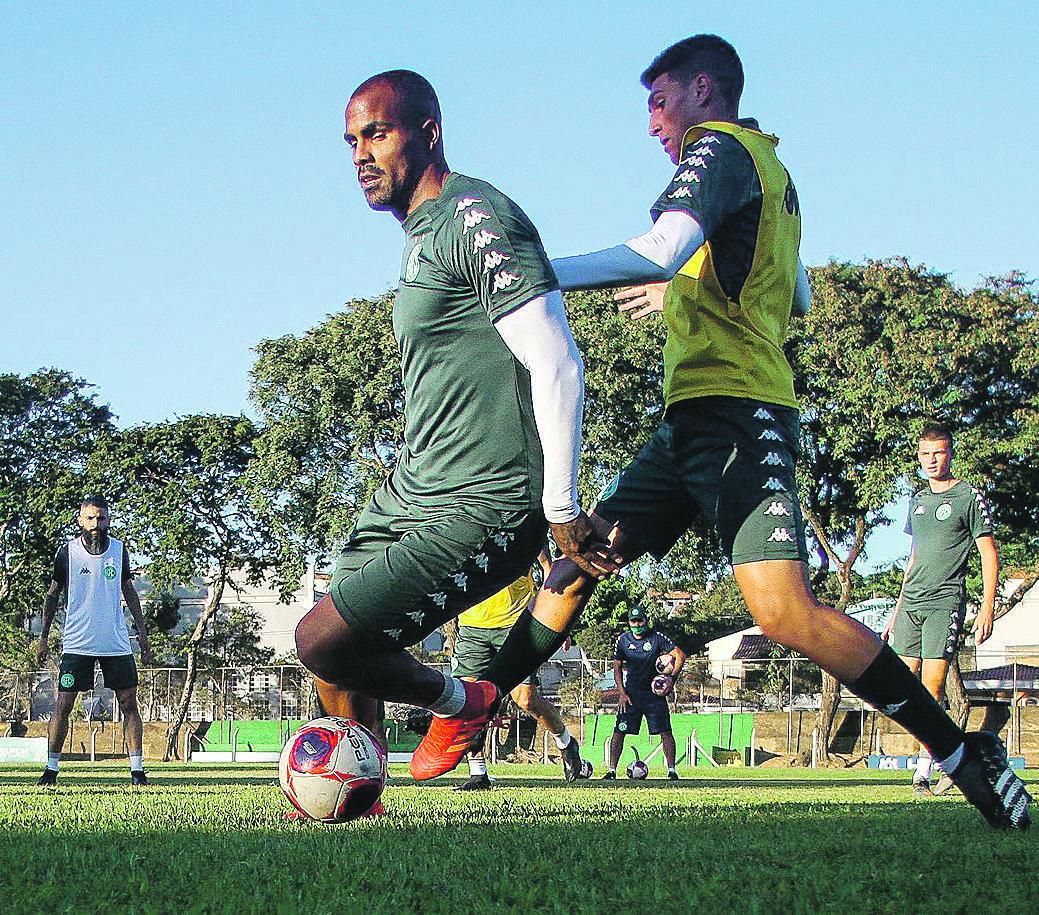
(127, 703)
(523, 696)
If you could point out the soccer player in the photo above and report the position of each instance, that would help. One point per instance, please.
(93, 570)
(945, 518)
(725, 235)
(481, 631)
(493, 388)
(637, 652)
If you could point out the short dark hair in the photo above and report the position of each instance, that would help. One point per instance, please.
(689, 57)
(934, 432)
(418, 98)
(94, 501)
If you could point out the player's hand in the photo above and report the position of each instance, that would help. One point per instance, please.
(886, 634)
(41, 653)
(146, 656)
(623, 701)
(579, 542)
(641, 301)
(983, 625)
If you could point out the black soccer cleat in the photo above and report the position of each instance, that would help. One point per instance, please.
(476, 783)
(139, 778)
(573, 766)
(609, 774)
(987, 781)
(672, 775)
(49, 778)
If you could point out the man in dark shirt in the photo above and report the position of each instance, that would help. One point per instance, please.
(637, 652)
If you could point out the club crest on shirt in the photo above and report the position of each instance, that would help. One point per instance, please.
(412, 265)
(943, 511)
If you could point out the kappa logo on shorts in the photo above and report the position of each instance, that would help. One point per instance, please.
(416, 616)
(777, 508)
(482, 561)
(780, 535)
(773, 484)
(494, 259)
(440, 599)
(393, 633)
(503, 280)
(689, 176)
(472, 219)
(762, 413)
(482, 239)
(461, 580)
(465, 203)
(772, 458)
(501, 539)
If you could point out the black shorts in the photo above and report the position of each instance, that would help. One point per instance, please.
(727, 458)
(655, 710)
(402, 574)
(76, 673)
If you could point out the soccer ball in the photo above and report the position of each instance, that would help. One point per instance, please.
(666, 664)
(661, 684)
(332, 770)
(637, 770)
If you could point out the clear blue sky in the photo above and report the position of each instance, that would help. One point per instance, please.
(175, 186)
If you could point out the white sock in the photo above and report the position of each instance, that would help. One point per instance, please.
(52, 761)
(477, 766)
(950, 763)
(923, 769)
(136, 762)
(671, 769)
(451, 699)
(563, 738)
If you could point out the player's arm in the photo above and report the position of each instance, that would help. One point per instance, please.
(890, 627)
(618, 677)
(679, 657)
(50, 607)
(133, 604)
(990, 579)
(538, 335)
(802, 291)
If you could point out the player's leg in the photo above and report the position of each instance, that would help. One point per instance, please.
(529, 699)
(667, 741)
(658, 721)
(345, 703)
(628, 722)
(75, 674)
(120, 673)
(616, 748)
(933, 672)
(475, 648)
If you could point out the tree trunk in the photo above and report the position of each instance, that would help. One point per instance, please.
(959, 702)
(199, 633)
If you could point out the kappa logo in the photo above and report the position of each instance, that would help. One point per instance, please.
(503, 280)
(494, 259)
(481, 561)
(702, 151)
(772, 458)
(770, 435)
(501, 539)
(393, 633)
(780, 535)
(695, 161)
(416, 617)
(681, 192)
(777, 508)
(773, 484)
(461, 580)
(482, 239)
(893, 708)
(472, 219)
(709, 138)
(920, 510)
(84, 571)
(688, 176)
(762, 413)
(440, 599)
(465, 203)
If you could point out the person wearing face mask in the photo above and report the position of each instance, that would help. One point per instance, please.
(636, 655)
(93, 570)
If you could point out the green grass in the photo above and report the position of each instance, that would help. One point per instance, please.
(205, 839)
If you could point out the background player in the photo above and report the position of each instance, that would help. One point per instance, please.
(481, 631)
(945, 518)
(493, 387)
(637, 652)
(93, 570)
(726, 234)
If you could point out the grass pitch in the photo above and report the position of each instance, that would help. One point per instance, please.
(212, 839)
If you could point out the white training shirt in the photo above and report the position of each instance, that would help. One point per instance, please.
(94, 622)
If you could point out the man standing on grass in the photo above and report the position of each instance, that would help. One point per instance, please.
(946, 518)
(636, 653)
(493, 390)
(726, 233)
(93, 570)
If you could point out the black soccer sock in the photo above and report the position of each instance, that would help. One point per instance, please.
(892, 688)
(529, 644)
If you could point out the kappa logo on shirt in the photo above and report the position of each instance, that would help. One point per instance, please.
(772, 458)
(481, 561)
(681, 192)
(472, 219)
(393, 633)
(502, 539)
(773, 484)
(708, 138)
(702, 151)
(503, 280)
(687, 177)
(416, 617)
(440, 599)
(771, 435)
(84, 571)
(695, 161)
(494, 259)
(777, 508)
(465, 203)
(482, 239)
(919, 510)
(780, 535)
(762, 413)
(461, 580)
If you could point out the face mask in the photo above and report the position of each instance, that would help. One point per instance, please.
(640, 629)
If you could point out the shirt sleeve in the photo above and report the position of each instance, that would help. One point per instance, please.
(979, 516)
(715, 178)
(60, 574)
(617, 654)
(127, 571)
(665, 644)
(909, 518)
(498, 250)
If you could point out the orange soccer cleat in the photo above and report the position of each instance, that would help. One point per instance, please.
(448, 739)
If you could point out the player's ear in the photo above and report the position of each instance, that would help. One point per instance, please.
(431, 131)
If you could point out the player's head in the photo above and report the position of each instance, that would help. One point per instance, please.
(393, 125)
(638, 622)
(94, 518)
(934, 451)
(695, 80)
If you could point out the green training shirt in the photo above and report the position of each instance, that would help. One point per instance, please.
(944, 527)
(471, 257)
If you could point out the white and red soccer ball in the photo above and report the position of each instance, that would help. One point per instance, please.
(333, 770)
(666, 664)
(661, 684)
(637, 770)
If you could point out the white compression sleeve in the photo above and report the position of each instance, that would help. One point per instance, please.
(802, 291)
(674, 238)
(539, 336)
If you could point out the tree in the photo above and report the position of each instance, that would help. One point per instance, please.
(186, 507)
(886, 347)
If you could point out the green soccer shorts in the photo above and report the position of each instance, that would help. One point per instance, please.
(927, 632)
(476, 647)
(76, 672)
(403, 573)
(729, 458)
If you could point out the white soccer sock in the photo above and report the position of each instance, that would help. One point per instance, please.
(477, 766)
(451, 699)
(136, 762)
(951, 762)
(52, 761)
(563, 738)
